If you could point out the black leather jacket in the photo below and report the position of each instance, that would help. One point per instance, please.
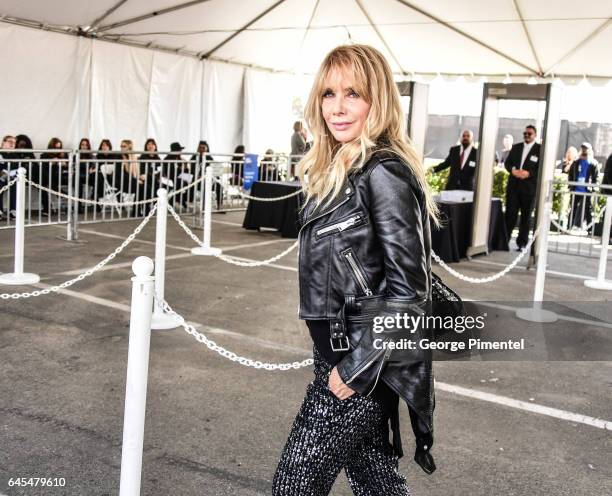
(372, 245)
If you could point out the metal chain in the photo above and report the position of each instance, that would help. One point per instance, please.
(567, 231)
(481, 280)
(247, 362)
(8, 185)
(225, 258)
(111, 204)
(87, 273)
(256, 198)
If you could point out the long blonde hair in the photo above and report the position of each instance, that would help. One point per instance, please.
(328, 161)
(130, 160)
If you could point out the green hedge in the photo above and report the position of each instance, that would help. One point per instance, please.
(561, 198)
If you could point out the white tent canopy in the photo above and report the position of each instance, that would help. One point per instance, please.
(238, 72)
(471, 37)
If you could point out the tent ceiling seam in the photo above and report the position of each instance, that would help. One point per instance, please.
(527, 35)
(96, 22)
(306, 31)
(597, 31)
(233, 35)
(467, 35)
(382, 38)
(155, 13)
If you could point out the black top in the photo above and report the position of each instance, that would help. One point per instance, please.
(319, 332)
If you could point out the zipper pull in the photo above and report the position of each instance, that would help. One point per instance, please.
(348, 223)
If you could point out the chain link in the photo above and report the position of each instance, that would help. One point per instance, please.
(230, 355)
(481, 280)
(87, 273)
(225, 258)
(8, 185)
(111, 204)
(257, 198)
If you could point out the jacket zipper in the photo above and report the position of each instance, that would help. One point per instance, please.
(308, 222)
(382, 364)
(358, 274)
(323, 214)
(364, 367)
(340, 226)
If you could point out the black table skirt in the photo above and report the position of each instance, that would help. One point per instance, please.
(281, 214)
(451, 241)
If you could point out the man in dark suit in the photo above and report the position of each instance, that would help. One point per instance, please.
(523, 164)
(462, 161)
(607, 178)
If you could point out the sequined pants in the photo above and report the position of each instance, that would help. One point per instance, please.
(330, 434)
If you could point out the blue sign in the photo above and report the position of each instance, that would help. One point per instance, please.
(250, 170)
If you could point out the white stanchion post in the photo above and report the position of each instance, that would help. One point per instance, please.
(601, 282)
(70, 227)
(207, 249)
(160, 319)
(19, 277)
(537, 313)
(137, 372)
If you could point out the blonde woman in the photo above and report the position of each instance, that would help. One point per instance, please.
(132, 182)
(364, 245)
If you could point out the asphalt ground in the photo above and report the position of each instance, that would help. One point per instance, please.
(214, 427)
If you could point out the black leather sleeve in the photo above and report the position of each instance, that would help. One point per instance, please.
(397, 219)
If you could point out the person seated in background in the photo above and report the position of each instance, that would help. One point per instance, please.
(89, 177)
(238, 166)
(133, 181)
(28, 162)
(150, 164)
(176, 173)
(206, 159)
(571, 154)
(585, 170)
(268, 170)
(502, 155)
(54, 173)
(109, 164)
(8, 143)
(462, 160)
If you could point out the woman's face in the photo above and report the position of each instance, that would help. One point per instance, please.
(57, 145)
(84, 145)
(151, 147)
(345, 112)
(104, 147)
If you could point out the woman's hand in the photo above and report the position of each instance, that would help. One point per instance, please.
(337, 386)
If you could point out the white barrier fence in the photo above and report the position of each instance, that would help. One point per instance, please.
(79, 186)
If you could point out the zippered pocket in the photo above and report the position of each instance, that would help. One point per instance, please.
(366, 366)
(355, 268)
(382, 364)
(336, 227)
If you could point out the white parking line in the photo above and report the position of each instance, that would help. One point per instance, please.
(548, 271)
(225, 249)
(525, 406)
(116, 236)
(442, 386)
(596, 323)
